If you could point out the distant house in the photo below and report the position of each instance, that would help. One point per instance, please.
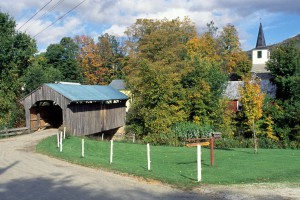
(121, 86)
(232, 93)
(82, 109)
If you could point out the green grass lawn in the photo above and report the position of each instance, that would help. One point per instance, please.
(178, 165)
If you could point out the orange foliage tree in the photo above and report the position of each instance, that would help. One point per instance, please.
(89, 58)
(99, 60)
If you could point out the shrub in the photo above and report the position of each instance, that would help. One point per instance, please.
(187, 130)
(264, 143)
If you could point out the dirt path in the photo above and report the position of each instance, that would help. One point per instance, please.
(26, 175)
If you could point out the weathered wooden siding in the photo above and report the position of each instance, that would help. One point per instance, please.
(44, 93)
(94, 118)
(84, 118)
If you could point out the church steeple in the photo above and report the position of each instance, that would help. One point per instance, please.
(260, 43)
(261, 54)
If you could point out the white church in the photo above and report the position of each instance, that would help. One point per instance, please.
(260, 56)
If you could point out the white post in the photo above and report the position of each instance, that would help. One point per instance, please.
(133, 138)
(199, 162)
(60, 141)
(148, 156)
(111, 151)
(64, 132)
(102, 137)
(82, 148)
(74, 132)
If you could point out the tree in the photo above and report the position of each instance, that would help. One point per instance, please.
(39, 73)
(157, 61)
(102, 60)
(112, 55)
(204, 85)
(252, 101)
(16, 50)
(284, 66)
(62, 56)
(89, 58)
(235, 61)
(203, 47)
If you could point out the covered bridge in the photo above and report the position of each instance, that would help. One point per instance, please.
(82, 109)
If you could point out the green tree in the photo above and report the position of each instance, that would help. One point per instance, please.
(284, 66)
(112, 55)
(16, 50)
(62, 56)
(38, 73)
(204, 85)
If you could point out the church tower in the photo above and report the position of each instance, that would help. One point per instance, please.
(261, 54)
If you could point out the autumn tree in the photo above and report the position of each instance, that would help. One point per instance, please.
(89, 58)
(252, 101)
(102, 60)
(235, 61)
(203, 47)
(157, 53)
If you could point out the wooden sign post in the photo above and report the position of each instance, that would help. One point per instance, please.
(212, 156)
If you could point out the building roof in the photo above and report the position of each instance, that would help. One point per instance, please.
(260, 43)
(232, 90)
(76, 93)
(118, 84)
(259, 68)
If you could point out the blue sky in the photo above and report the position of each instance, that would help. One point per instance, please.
(280, 19)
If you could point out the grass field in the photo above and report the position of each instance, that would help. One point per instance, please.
(178, 165)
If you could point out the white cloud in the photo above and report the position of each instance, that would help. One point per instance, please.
(100, 16)
(116, 30)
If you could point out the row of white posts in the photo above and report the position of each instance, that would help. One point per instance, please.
(62, 135)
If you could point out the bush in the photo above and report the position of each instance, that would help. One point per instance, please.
(169, 139)
(264, 143)
(187, 130)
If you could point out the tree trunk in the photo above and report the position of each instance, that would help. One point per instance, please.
(254, 138)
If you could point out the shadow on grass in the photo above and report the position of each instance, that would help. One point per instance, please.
(236, 149)
(192, 162)
(225, 149)
(188, 177)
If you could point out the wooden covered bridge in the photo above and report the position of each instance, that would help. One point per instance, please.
(82, 109)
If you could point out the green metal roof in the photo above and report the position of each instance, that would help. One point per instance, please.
(77, 93)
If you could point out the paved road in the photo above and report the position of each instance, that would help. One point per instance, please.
(26, 175)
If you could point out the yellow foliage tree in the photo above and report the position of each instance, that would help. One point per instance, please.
(269, 128)
(252, 101)
(203, 47)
